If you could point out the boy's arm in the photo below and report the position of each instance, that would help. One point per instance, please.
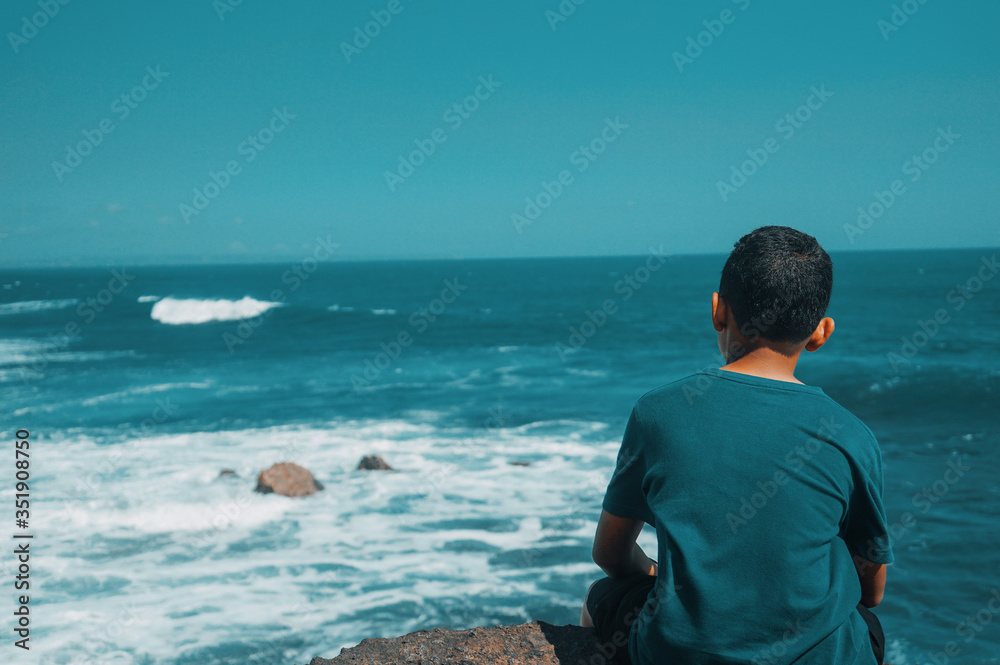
(872, 578)
(615, 549)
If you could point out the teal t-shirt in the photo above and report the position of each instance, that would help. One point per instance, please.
(759, 490)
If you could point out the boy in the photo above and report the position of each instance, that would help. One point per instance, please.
(766, 495)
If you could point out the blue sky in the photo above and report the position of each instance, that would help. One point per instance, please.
(310, 129)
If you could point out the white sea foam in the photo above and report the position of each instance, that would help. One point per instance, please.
(586, 372)
(33, 357)
(21, 351)
(29, 306)
(378, 311)
(23, 347)
(175, 311)
(148, 298)
(164, 535)
(143, 390)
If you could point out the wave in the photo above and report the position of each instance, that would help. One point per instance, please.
(143, 390)
(22, 351)
(29, 306)
(148, 298)
(376, 311)
(33, 355)
(174, 311)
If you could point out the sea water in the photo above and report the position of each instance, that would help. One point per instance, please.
(139, 384)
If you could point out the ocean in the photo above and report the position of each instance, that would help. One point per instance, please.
(139, 384)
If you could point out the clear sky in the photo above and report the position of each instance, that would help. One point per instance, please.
(164, 95)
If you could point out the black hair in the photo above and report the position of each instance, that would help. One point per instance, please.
(777, 282)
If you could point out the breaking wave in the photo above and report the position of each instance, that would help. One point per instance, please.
(173, 311)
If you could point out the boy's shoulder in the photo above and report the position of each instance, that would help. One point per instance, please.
(687, 387)
(708, 390)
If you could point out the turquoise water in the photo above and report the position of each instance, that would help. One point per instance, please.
(139, 386)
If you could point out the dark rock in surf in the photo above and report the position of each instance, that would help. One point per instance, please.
(373, 463)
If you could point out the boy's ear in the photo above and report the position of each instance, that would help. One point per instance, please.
(822, 333)
(720, 310)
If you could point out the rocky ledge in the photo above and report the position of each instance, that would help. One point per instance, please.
(536, 643)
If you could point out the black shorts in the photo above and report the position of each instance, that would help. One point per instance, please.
(614, 604)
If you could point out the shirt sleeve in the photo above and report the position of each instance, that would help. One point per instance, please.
(865, 528)
(625, 497)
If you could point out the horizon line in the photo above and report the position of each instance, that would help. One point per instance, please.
(220, 261)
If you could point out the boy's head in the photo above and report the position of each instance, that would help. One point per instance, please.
(775, 289)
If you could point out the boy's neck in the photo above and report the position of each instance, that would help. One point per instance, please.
(766, 363)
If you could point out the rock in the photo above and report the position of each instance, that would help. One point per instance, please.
(228, 473)
(538, 643)
(520, 463)
(287, 479)
(373, 463)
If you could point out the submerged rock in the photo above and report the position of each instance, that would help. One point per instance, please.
(373, 463)
(520, 463)
(288, 479)
(228, 473)
(538, 643)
